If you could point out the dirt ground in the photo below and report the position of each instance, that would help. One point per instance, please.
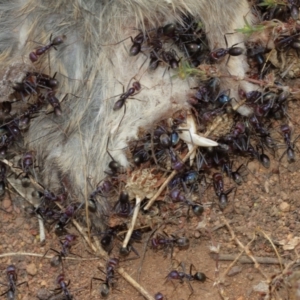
(264, 210)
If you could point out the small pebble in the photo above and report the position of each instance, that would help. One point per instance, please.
(235, 270)
(261, 287)
(31, 269)
(284, 195)
(284, 207)
(43, 283)
(197, 234)
(249, 277)
(6, 203)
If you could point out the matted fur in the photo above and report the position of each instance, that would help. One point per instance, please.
(74, 146)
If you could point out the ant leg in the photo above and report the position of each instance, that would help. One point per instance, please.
(91, 284)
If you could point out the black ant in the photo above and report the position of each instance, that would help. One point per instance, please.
(114, 166)
(2, 178)
(159, 296)
(181, 276)
(132, 91)
(66, 244)
(5, 108)
(219, 190)
(109, 281)
(54, 102)
(164, 241)
(286, 131)
(136, 236)
(65, 217)
(178, 196)
(219, 53)
(123, 207)
(109, 235)
(34, 55)
(63, 286)
(136, 86)
(238, 175)
(27, 164)
(283, 43)
(11, 273)
(137, 42)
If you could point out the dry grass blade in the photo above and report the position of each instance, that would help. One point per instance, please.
(133, 221)
(273, 246)
(244, 248)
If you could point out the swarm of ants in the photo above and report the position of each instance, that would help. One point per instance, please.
(166, 157)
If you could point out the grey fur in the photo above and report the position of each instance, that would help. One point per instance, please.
(73, 147)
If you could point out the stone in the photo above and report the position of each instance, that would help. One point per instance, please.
(284, 207)
(31, 269)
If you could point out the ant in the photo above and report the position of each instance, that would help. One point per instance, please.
(164, 241)
(177, 196)
(114, 166)
(159, 296)
(169, 57)
(2, 178)
(27, 164)
(219, 53)
(54, 102)
(197, 276)
(102, 189)
(12, 277)
(219, 190)
(132, 91)
(109, 235)
(5, 107)
(136, 236)
(33, 56)
(286, 131)
(123, 207)
(136, 86)
(238, 175)
(137, 42)
(66, 244)
(109, 281)
(283, 43)
(262, 157)
(65, 217)
(63, 286)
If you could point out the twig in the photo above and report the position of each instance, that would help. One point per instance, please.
(244, 248)
(273, 246)
(135, 284)
(40, 219)
(134, 217)
(42, 230)
(81, 231)
(41, 255)
(171, 176)
(234, 261)
(246, 260)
